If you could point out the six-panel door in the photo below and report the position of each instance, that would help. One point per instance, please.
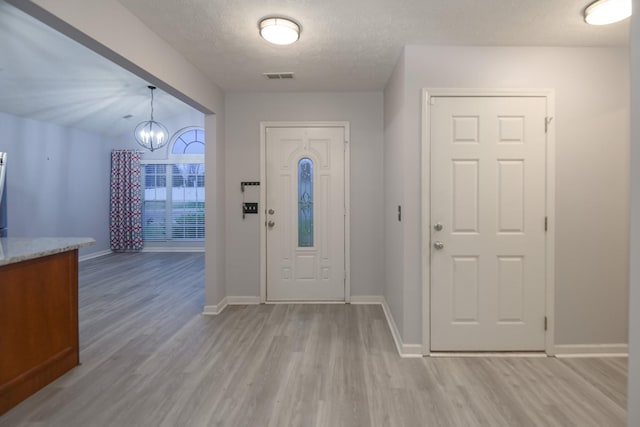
(488, 197)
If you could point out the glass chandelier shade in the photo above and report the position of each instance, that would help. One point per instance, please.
(151, 134)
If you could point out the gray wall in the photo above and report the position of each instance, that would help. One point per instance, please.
(394, 130)
(633, 401)
(592, 146)
(58, 181)
(244, 112)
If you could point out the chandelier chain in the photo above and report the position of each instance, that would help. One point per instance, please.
(152, 88)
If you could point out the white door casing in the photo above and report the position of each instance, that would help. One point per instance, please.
(487, 165)
(299, 268)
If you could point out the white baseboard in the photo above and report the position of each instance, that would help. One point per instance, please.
(214, 310)
(94, 255)
(243, 300)
(171, 249)
(367, 299)
(591, 350)
(415, 350)
(295, 301)
(404, 350)
(506, 355)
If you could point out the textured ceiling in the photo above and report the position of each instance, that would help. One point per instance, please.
(345, 45)
(48, 77)
(354, 44)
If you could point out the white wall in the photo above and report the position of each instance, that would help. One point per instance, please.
(244, 112)
(633, 400)
(592, 140)
(58, 181)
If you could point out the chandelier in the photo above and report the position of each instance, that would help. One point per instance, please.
(151, 134)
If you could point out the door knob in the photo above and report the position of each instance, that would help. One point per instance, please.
(271, 224)
(438, 227)
(438, 245)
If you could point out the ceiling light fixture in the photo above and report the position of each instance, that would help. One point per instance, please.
(603, 12)
(151, 134)
(280, 31)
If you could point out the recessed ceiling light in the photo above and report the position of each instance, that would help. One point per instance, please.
(603, 12)
(280, 31)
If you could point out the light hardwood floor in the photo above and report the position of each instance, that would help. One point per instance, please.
(149, 358)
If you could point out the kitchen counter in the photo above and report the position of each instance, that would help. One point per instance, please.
(17, 249)
(38, 313)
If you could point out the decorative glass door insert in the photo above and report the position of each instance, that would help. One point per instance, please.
(305, 203)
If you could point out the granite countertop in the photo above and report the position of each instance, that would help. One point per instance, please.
(17, 249)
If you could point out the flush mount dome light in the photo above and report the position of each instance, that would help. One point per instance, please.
(603, 12)
(279, 30)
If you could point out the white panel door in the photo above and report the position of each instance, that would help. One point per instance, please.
(305, 213)
(488, 223)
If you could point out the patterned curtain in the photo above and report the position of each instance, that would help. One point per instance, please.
(126, 201)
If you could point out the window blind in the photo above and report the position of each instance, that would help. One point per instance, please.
(174, 201)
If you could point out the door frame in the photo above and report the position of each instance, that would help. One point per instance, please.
(549, 95)
(263, 200)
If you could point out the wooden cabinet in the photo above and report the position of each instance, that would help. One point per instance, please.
(38, 324)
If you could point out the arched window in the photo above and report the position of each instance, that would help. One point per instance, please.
(174, 190)
(188, 141)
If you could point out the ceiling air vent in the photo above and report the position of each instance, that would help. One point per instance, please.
(278, 76)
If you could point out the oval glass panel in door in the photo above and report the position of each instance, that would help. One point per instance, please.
(305, 202)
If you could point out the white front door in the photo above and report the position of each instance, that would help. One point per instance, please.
(305, 213)
(488, 223)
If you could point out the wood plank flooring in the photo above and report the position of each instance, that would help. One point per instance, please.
(149, 358)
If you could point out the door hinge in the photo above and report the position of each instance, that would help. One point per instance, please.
(546, 223)
(545, 323)
(547, 122)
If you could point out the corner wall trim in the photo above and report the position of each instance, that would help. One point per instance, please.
(404, 350)
(591, 350)
(214, 310)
